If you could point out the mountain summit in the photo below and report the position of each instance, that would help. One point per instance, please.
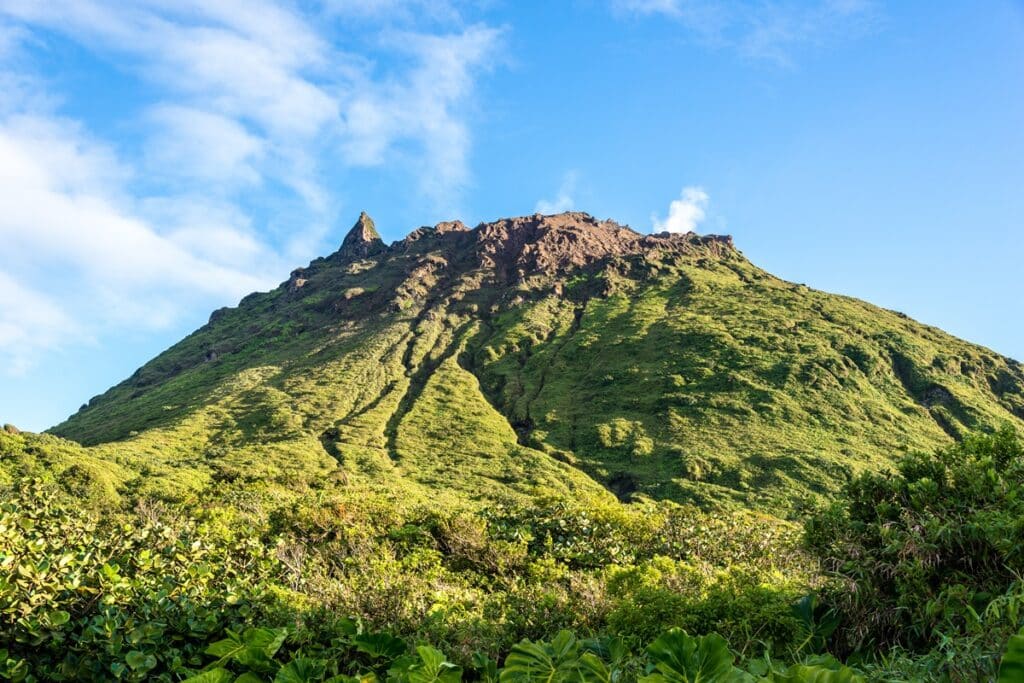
(547, 353)
(362, 240)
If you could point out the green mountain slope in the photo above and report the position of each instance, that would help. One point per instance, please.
(558, 355)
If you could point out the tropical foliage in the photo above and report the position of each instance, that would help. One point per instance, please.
(932, 556)
(912, 576)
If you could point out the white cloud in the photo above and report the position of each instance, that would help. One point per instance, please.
(60, 196)
(240, 81)
(69, 228)
(212, 230)
(422, 108)
(10, 38)
(670, 7)
(563, 201)
(761, 29)
(685, 213)
(394, 10)
(204, 146)
(31, 325)
(291, 96)
(248, 105)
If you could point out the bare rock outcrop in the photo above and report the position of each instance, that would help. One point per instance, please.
(362, 240)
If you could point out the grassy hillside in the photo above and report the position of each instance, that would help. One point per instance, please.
(715, 378)
(556, 354)
(409, 463)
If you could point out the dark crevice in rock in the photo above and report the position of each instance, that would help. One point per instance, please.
(943, 420)
(524, 423)
(356, 414)
(574, 326)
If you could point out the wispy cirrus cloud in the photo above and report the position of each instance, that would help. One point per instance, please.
(761, 29)
(80, 257)
(396, 11)
(31, 325)
(268, 69)
(246, 107)
(205, 146)
(62, 197)
(413, 118)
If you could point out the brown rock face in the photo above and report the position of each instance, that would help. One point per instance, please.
(518, 247)
(448, 260)
(362, 240)
(450, 226)
(297, 280)
(551, 245)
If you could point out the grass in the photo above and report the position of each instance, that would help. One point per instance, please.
(718, 376)
(420, 374)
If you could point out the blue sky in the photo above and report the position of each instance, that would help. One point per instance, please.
(162, 158)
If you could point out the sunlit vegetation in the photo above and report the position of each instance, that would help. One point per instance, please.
(678, 372)
(450, 460)
(903, 577)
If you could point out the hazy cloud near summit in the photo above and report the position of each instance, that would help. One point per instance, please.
(685, 213)
(30, 326)
(563, 201)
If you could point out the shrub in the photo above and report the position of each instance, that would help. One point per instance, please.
(82, 598)
(930, 554)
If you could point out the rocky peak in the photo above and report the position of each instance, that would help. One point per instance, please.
(445, 228)
(562, 242)
(362, 240)
(450, 226)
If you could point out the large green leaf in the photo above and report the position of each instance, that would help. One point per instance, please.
(591, 669)
(218, 675)
(254, 648)
(227, 647)
(301, 670)
(361, 678)
(558, 661)
(803, 673)
(486, 668)
(611, 650)
(58, 617)
(679, 658)
(265, 641)
(380, 645)
(139, 661)
(1011, 669)
(432, 667)
(816, 623)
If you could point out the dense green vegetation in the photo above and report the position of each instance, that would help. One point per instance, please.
(553, 353)
(933, 555)
(913, 576)
(548, 449)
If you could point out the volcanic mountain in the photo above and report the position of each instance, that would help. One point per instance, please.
(554, 355)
